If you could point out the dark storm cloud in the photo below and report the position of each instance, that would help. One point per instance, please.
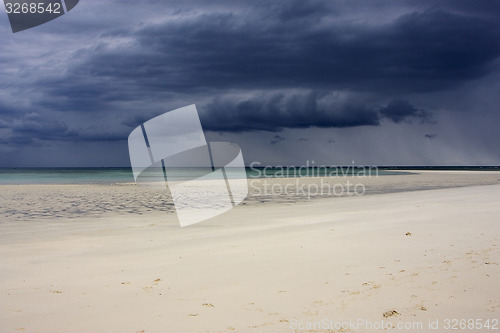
(249, 66)
(401, 110)
(275, 112)
(8, 111)
(136, 120)
(34, 126)
(420, 51)
(294, 10)
(286, 45)
(483, 8)
(276, 139)
(17, 141)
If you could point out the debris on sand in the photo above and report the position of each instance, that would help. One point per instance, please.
(390, 313)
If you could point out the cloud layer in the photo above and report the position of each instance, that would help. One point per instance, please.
(253, 66)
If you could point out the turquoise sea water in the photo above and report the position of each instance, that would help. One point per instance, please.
(124, 175)
(65, 175)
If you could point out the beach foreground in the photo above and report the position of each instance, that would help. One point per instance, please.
(409, 258)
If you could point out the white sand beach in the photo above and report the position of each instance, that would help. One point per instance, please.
(109, 258)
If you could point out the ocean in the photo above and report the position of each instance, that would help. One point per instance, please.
(124, 175)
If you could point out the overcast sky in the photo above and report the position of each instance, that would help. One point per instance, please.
(337, 82)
